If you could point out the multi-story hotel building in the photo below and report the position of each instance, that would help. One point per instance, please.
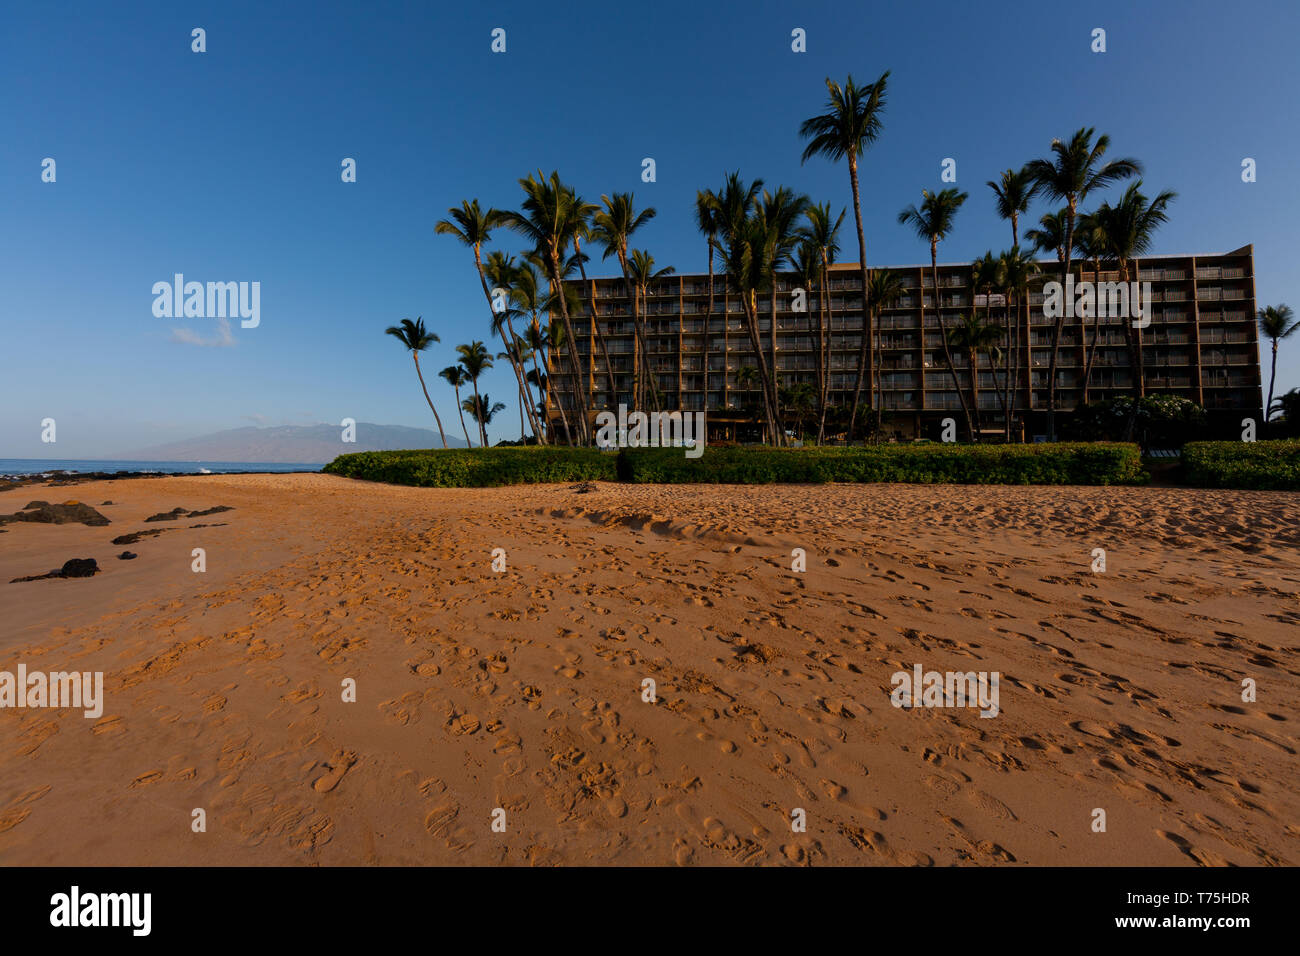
(1202, 344)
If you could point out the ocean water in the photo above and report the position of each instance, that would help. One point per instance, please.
(14, 467)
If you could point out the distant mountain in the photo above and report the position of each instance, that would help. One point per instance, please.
(298, 444)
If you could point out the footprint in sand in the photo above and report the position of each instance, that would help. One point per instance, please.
(340, 764)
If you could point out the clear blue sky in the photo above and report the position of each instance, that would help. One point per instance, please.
(225, 166)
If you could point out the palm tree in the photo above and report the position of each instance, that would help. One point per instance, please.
(974, 336)
(641, 268)
(1092, 243)
(885, 287)
(1075, 171)
(746, 376)
(476, 360)
(808, 275)
(822, 236)
(504, 274)
(706, 220)
(553, 337)
(1130, 227)
(455, 377)
(1014, 192)
(781, 210)
(549, 220)
(582, 212)
(933, 221)
(417, 338)
(748, 248)
(1017, 269)
(482, 410)
(1276, 322)
(851, 123)
(988, 275)
(613, 227)
(473, 226)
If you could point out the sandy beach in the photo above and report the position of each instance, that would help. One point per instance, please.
(522, 689)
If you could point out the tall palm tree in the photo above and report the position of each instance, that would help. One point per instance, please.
(555, 348)
(1130, 227)
(885, 288)
(641, 268)
(1014, 191)
(933, 221)
(476, 360)
(482, 410)
(974, 337)
(1276, 322)
(706, 221)
(1074, 171)
(851, 123)
(1018, 269)
(473, 226)
(417, 338)
(808, 275)
(748, 248)
(582, 212)
(548, 220)
(822, 237)
(1091, 241)
(988, 276)
(781, 210)
(613, 227)
(455, 377)
(504, 274)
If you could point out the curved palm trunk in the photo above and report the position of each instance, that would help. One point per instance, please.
(640, 358)
(416, 356)
(1272, 378)
(1096, 329)
(461, 412)
(509, 345)
(870, 357)
(708, 318)
(1134, 338)
(595, 323)
(943, 335)
(579, 393)
(864, 349)
(478, 414)
(525, 394)
(653, 389)
(776, 375)
(1060, 323)
(820, 368)
(973, 356)
(755, 340)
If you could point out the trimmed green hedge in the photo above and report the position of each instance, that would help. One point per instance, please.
(1047, 464)
(1050, 464)
(480, 468)
(1271, 465)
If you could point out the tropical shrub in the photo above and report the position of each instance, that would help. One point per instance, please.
(1054, 464)
(1240, 464)
(477, 468)
(1163, 421)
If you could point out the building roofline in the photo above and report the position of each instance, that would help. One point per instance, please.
(1247, 250)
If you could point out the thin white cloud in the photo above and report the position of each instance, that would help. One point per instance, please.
(190, 337)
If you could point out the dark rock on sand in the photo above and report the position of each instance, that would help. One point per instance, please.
(135, 536)
(72, 568)
(127, 556)
(70, 512)
(182, 513)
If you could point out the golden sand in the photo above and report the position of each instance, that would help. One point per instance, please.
(522, 690)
